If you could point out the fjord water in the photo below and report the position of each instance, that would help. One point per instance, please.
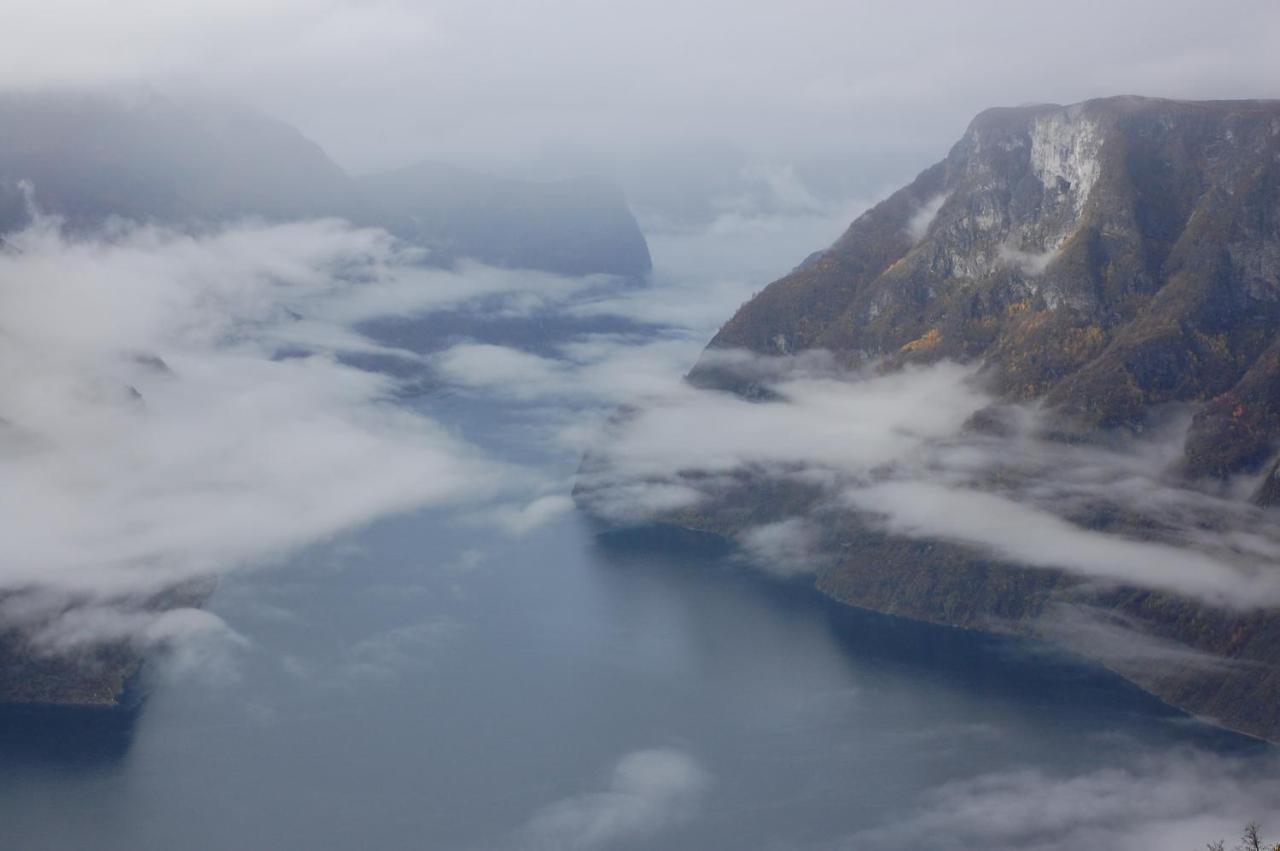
(430, 683)
(427, 684)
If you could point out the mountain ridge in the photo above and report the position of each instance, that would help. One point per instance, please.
(89, 157)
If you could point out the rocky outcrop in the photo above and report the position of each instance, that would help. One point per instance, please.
(41, 666)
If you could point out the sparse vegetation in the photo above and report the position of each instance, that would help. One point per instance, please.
(1250, 840)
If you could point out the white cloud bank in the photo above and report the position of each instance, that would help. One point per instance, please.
(1023, 534)
(894, 451)
(172, 406)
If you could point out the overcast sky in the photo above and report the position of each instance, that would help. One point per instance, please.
(382, 82)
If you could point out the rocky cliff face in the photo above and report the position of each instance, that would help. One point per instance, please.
(1099, 266)
(1106, 257)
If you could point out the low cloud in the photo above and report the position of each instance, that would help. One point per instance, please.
(1178, 800)
(648, 792)
(898, 452)
(770, 191)
(851, 423)
(186, 642)
(522, 519)
(175, 405)
(502, 370)
(921, 219)
(1030, 262)
(784, 548)
(1120, 643)
(598, 368)
(1026, 535)
(389, 655)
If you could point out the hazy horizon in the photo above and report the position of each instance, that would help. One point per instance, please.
(542, 85)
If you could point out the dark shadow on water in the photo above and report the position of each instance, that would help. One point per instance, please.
(660, 540)
(72, 736)
(541, 332)
(1031, 675)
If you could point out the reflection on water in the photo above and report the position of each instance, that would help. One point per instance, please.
(1029, 676)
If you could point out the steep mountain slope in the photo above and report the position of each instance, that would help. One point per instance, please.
(1106, 257)
(91, 157)
(1100, 266)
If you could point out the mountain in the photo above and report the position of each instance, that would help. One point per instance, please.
(1101, 265)
(1106, 257)
(575, 227)
(88, 157)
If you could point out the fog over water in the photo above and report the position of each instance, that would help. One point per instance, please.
(488, 673)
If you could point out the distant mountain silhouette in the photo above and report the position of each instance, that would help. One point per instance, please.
(90, 157)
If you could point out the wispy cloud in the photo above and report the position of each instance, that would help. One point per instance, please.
(647, 792)
(1026, 535)
(785, 547)
(921, 219)
(173, 405)
(1177, 800)
(388, 655)
(819, 422)
(898, 452)
(1029, 262)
